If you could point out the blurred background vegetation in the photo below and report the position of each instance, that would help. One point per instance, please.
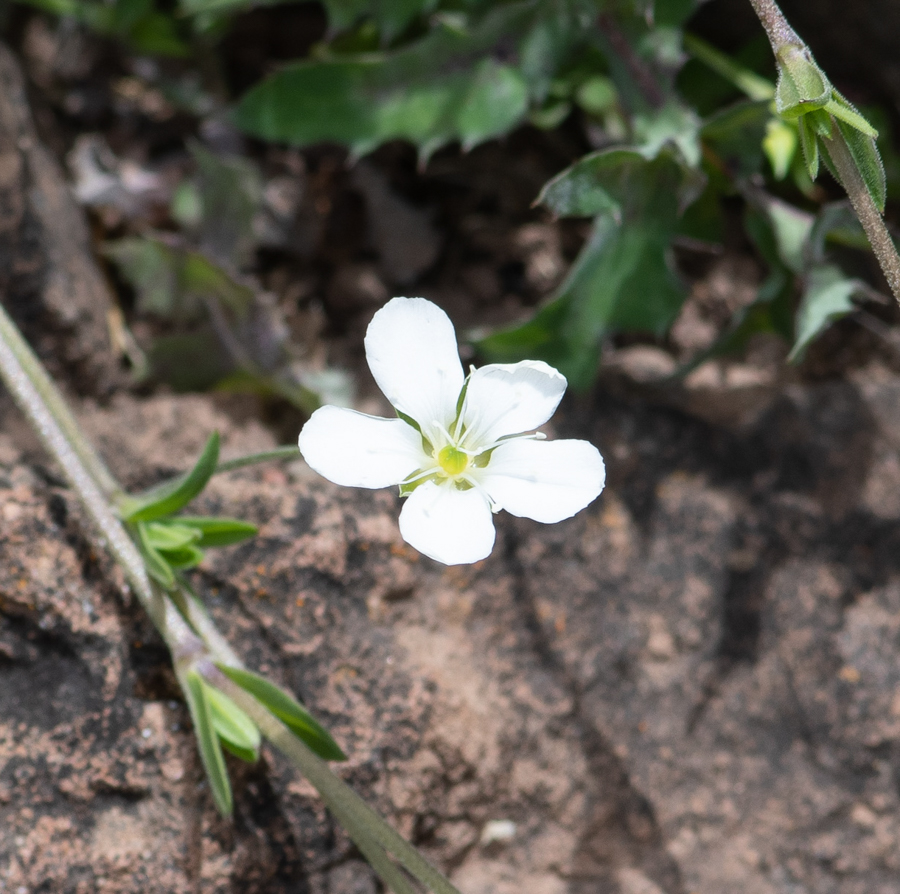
(207, 137)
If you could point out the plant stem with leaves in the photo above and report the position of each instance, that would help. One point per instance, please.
(866, 210)
(826, 119)
(204, 661)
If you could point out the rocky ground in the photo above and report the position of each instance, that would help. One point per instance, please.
(689, 688)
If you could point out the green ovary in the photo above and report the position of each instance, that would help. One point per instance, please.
(452, 461)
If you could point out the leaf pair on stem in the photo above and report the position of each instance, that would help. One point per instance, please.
(171, 544)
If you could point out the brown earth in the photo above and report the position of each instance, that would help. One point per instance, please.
(689, 688)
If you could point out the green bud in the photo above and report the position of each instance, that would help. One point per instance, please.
(802, 85)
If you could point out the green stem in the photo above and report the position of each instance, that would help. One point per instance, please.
(59, 433)
(865, 208)
(18, 368)
(781, 35)
(361, 822)
(51, 398)
(290, 451)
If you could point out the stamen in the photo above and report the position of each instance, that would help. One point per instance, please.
(526, 436)
(495, 507)
(443, 431)
(418, 476)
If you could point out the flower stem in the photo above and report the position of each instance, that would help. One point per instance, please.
(290, 451)
(24, 376)
(781, 34)
(776, 25)
(363, 824)
(24, 358)
(45, 408)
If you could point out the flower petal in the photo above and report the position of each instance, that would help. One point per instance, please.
(357, 450)
(510, 398)
(449, 525)
(544, 480)
(411, 349)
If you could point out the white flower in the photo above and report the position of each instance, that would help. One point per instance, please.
(462, 446)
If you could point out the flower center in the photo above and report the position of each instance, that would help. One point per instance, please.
(452, 461)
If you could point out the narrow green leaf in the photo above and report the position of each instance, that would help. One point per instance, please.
(826, 298)
(232, 724)
(868, 162)
(164, 535)
(809, 143)
(170, 496)
(195, 691)
(218, 531)
(751, 84)
(845, 111)
(288, 710)
(157, 567)
(183, 558)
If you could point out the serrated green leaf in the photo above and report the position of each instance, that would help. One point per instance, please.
(623, 279)
(195, 691)
(612, 181)
(233, 726)
(218, 531)
(355, 103)
(170, 496)
(429, 93)
(673, 125)
(169, 534)
(826, 298)
(288, 710)
(591, 185)
(157, 567)
(868, 162)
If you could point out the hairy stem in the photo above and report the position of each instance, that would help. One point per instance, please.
(27, 382)
(777, 28)
(865, 208)
(51, 398)
(44, 407)
(780, 35)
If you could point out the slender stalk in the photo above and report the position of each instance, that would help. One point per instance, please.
(777, 28)
(865, 208)
(54, 433)
(361, 822)
(54, 402)
(44, 407)
(782, 35)
(229, 465)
